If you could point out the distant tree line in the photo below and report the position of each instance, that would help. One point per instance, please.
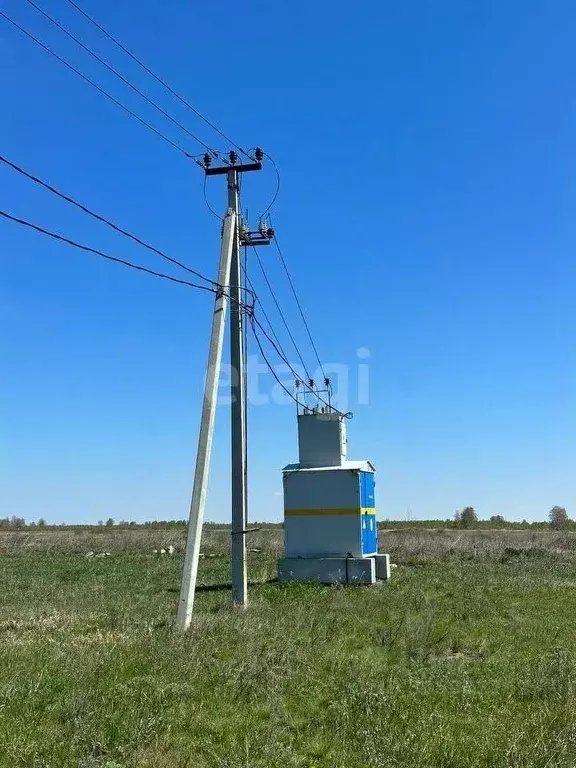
(558, 519)
(20, 522)
(147, 524)
(15, 522)
(12, 522)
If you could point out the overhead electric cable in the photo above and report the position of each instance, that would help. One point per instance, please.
(281, 313)
(244, 268)
(97, 216)
(96, 86)
(264, 313)
(254, 320)
(269, 365)
(118, 75)
(283, 261)
(158, 78)
(212, 211)
(107, 256)
(277, 191)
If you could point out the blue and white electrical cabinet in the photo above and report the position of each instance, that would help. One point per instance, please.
(330, 531)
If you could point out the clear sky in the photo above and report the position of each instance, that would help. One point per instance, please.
(427, 158)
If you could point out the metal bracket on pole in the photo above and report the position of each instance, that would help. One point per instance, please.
(220, 171)
(188, 587)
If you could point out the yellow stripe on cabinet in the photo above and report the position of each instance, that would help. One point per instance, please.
(323, 512)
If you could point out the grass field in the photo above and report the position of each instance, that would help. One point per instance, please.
(467, 658)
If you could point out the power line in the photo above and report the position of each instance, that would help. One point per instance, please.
(277, 191)
(212, 211)
(285, 360)
(258, 300)
(279, 308)
(244, 268)
(121, 77)
(269, 365)
(279, 351)
(97, 87)
(255, 322)
(263, 310)
(277, 344)
(98, 217)
(138, 267)
(283, 260)
(158, 78)
(107, 256)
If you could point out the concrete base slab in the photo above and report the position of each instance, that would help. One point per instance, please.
(382, 567)
(328, 570)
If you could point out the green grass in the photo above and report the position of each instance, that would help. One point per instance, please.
(454, 663)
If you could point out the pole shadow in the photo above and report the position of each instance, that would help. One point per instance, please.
(223, 587)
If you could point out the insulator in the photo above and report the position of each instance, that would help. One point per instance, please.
(233, 157)
(298, 382)
(207, 160)
(269, 233)
(262, 228)
(311, 383)
(326, 382)
(258, 154)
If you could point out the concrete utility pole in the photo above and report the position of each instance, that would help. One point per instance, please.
(188, 587)
(238, 410)
(229, 279)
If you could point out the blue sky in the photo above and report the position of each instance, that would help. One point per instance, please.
(427, 164)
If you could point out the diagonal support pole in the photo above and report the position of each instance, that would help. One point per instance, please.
(190, 570)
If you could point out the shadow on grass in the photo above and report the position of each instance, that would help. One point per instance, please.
(222, 587)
